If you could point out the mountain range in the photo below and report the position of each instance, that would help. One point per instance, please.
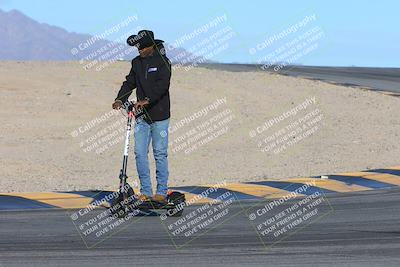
(23, 38)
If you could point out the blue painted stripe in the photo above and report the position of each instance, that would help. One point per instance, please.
(387, 171)
(356, 180)
(20, 203)
(216, 193)
(292, 187)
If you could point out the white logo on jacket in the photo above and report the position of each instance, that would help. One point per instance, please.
(152, 69)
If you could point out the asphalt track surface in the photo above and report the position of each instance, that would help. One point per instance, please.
(382, 79)
(360, 229)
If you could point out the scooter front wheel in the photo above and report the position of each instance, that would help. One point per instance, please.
(120, 205)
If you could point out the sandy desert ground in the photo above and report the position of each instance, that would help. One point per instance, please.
(57, 132)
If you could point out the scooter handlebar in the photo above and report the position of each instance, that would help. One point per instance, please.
(129, 105)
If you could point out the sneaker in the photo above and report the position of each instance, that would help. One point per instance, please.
(144, 198)
(160, 198)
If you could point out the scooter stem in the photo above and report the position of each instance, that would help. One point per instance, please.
(122, 175)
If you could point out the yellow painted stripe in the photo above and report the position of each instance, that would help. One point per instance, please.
(256, 190)
(393, 168)
(192, 199)
(69, 203)
(380, 177)
(44, 195)
(61, 200)
(332, 185)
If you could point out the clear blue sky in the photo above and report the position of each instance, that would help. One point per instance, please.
(356, 32)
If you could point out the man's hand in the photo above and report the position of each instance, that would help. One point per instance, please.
(117, 104)
(140, 104)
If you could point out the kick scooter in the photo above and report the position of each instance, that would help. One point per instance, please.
(126, 201)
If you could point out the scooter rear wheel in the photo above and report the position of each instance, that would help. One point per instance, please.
(178, 199)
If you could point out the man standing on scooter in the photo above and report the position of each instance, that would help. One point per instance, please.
(150, 74)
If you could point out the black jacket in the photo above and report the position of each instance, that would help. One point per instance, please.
(151, 77)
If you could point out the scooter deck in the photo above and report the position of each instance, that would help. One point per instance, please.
(174, 207)
(152, 205)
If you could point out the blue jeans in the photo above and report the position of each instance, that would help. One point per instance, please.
(157, 132)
